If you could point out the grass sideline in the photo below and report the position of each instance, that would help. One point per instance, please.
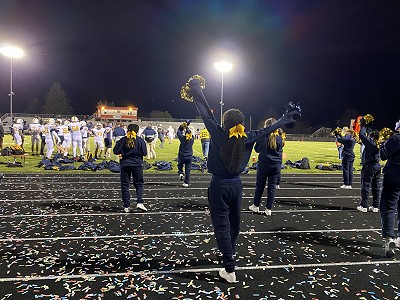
(316, 152)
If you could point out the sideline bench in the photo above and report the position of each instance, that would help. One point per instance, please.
(15, 156)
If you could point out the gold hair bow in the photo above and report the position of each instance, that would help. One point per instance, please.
(131, 135)
(237, 131)
(188, 136)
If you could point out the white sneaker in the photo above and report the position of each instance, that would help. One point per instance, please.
(397, 242)
(254, 208)
(389, 245)
(185, 184)
(141, 206)
(277, 186)
(362, 209)
(373, 209)
(127, 209)
(230, 277)
(268, 212)
(181, 176)
(349, 187)
(343, 186)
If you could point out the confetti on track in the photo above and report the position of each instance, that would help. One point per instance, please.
(65, 236)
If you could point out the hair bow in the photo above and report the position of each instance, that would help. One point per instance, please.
(131, 135)
(188, 136)
(237, 131)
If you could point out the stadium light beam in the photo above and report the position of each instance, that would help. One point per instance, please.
(222, 67)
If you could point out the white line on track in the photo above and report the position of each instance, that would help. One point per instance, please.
(86, 215)
(181, 234)
(170, 188)
(204, 270)
(292, 198)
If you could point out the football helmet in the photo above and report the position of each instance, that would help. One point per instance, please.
(35, 121)
(74, 119)
(66, 122)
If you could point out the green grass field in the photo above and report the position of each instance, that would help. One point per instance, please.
(317, 152)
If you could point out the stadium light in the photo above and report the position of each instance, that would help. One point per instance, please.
(11, 52)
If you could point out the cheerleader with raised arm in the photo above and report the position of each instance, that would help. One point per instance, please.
(348, 142)
(229, 153)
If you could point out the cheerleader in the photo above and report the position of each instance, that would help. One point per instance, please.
(229, 153)
(131, 148)
(348, 156)
(371, 169)
(268, 167)
(389, 204)
(185, 153)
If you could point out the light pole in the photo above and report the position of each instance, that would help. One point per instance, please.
(11, 52)
(222, 67)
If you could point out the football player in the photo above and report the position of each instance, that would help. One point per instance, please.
(75, 127)
(34, 129)
(49, 132)
(98, 133)
(85, 137)
(18, 131)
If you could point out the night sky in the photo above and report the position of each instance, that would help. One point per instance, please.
(328, 55)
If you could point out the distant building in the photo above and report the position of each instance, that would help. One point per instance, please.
(116, 113)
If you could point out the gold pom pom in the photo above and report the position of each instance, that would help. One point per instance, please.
(368, 119)
(385, 134)
(185, 90)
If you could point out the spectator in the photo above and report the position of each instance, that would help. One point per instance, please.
(205, 142)
(150, 135)
(161, 136)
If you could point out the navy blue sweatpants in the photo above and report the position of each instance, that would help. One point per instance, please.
(187, 162)
(264, 172)
(137, 175)
(225, 199)
(370, 177)
(347, 165)
(389, 205)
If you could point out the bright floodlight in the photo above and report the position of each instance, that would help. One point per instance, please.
(223, 66)
(11, 51)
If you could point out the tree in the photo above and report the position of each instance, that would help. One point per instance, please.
(57, 102)
(33, 107)
(157, 114)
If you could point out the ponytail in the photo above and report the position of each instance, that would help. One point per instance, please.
(272, 136)
(233, 150)
(131, 135)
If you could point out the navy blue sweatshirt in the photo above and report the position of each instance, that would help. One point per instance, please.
(186, 146)
(348, 146)
(131, 157)
(218, 136)
(266, 154)
(390, 151)
(370, 154)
